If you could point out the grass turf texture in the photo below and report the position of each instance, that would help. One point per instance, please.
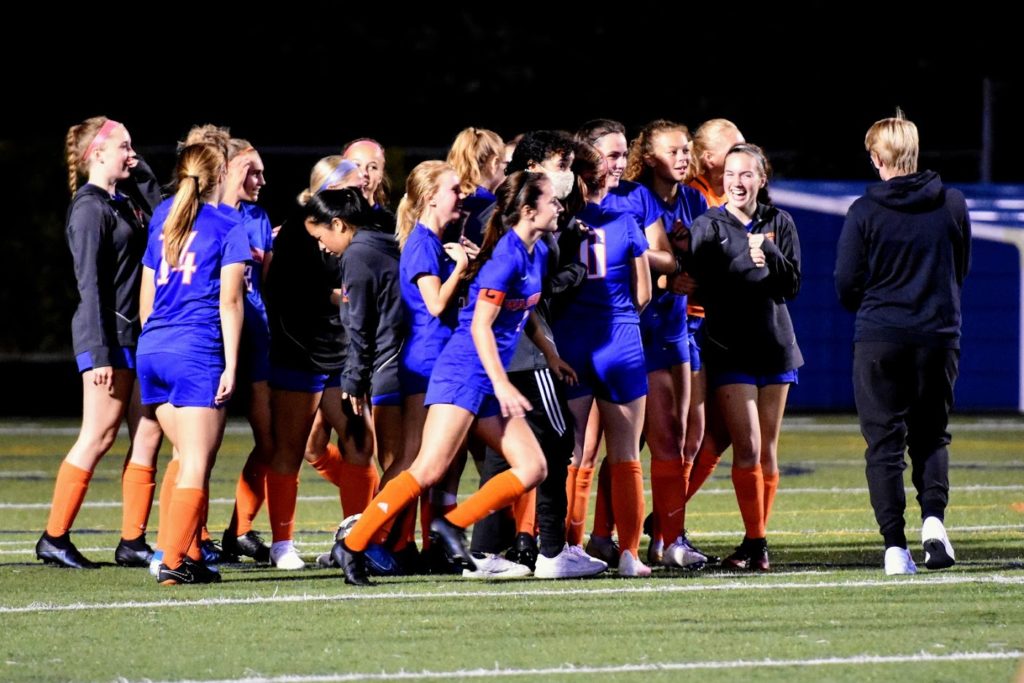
(823, 613)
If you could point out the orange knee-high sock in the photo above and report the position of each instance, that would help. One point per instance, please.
(701, 470)
(138, 483)
(282, 493)
(183, 522)
(604, 513)
(250, 492)
(687, 469)
(570, 493)
(749, 485)
(771, 485)
(498, 492)
(524, 509)
(627, 489)
(669, 497)
(580, 502)
(68, 494)
(392, 499)
(329, 465)
(400, 531)
(426, 517)
(358, 486)
(167, 487)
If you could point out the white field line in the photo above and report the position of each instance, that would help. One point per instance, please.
(647, 588)
(858, 491)
(796, 424)
(645, 667)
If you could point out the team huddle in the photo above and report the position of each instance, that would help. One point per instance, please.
(525, 303)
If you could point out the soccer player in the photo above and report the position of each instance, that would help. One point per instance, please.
(191, 305)
(477, 155)
(746, 261)
(107, 236)
(468, 386)
(903, 255)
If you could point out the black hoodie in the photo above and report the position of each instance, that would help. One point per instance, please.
(902, 257)
(371, 309)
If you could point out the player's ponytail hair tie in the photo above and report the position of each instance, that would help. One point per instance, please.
(101, 136)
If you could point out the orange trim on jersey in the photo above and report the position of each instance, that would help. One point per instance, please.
(491, 296)
(700, 184)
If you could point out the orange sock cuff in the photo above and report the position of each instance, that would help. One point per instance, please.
(184, 520)
(749, 485)
(358, 486)
(282, 494)
(138, 483)
(392, 499)
(669, 497)
(500, 491)
(166, 496)
(68, 493)
(627, 497)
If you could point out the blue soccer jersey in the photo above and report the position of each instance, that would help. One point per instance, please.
(512, 279)
(424, 255)
(261, 242)
(186, 307)
(613, 242)
(634, 199)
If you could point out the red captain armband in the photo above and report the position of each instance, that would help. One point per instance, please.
(491, 296)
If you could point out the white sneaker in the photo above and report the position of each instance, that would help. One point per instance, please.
(632, 566)
(938, 553)
(604, 549)
(899, 561)
(283, 556)
(571, 563)
(491, 566)
(681, 554)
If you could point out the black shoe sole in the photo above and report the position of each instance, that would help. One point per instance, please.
(937, 558)
(447, 536)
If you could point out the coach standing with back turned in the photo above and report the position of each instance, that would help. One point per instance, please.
(902, 257)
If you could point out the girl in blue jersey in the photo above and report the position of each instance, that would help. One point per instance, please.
(431, 280)
(191, 304)
(746, 261)
(658, 159)
(598, 332)
(468, 384)
(106, 234)
(477, 155)
(242, 190)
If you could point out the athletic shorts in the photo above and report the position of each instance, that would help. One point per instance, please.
(289, 379)
(183, 381)
(695, 337)
(254, 353)
(385, 386)
(720, 379)
(458, 394)
(121, 358)
(608, 359)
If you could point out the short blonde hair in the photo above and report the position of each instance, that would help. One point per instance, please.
(895, 142)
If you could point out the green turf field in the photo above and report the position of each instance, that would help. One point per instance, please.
(825, 612)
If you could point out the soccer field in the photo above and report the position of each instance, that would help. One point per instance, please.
(826, 611)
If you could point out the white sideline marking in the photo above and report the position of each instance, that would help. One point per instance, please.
(647, 667)
(97, 504)
(359, 595)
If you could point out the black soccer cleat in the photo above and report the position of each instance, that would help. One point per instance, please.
(134, 553)
(453, 540)
(60, 551)
(751, 555)
(524, 551)
(249, 544)
(188, 572)
(352, 563)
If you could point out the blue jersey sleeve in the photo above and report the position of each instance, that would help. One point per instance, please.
(649, 206)
(421, 257)
(235, 248)
(154, 249)
(638, 243)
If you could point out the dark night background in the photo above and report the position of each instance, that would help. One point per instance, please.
(803, 84)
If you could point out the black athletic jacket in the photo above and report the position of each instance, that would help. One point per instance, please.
(747, 326)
